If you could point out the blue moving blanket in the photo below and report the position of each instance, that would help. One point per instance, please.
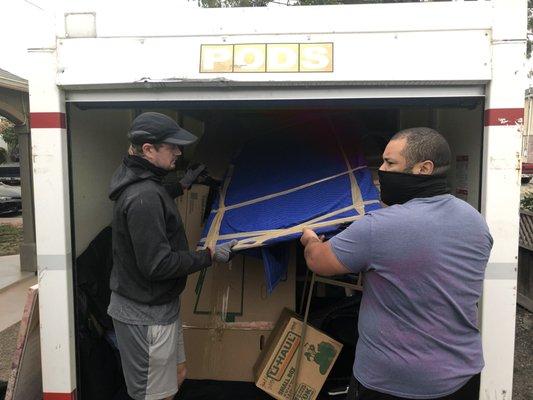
(314, 176)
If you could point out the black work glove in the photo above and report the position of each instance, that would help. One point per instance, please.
(191, 175)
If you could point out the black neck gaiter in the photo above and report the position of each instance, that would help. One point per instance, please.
(399, 187)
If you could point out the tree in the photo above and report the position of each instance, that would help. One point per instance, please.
(529, 26)
(323, 2)
(8, 134)
(262, 3)
(232, 3)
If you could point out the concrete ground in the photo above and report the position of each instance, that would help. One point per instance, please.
(10, 272)
(8, 341)
(12, 301)
(523, 359)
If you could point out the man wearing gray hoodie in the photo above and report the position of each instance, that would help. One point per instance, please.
(151, 259)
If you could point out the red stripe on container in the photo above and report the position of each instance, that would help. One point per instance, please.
(504, 116)
(60, 396)
(48, 120)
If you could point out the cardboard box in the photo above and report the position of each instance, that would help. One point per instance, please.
(226, 323)
(226, 310)
(236, 293)
(275, 369)
(191, 206)
(227, 316)
(223, 354)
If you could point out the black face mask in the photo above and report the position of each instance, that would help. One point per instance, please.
(399, 188)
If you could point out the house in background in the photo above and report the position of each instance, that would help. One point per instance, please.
(14, 105)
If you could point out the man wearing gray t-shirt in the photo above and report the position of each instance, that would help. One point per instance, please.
(423, 260)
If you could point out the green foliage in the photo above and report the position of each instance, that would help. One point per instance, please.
(8, 134)
(529, 15)
(529, 26)
(10, 239)
(527, 202)
(232, 3)
(325, 2)
(262, 3)
(10, 137)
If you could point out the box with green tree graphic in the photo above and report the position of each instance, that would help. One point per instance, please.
(275, 369)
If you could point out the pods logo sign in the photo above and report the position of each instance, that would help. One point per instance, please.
(266, 57)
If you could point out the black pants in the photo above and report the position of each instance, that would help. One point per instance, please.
(469, 391)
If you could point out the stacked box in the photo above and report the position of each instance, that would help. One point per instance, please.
(275, 370)
(226, 310)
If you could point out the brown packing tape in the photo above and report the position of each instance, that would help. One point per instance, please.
(260, 240)
(250, 236)
(214, 229)
(357, 198)
(240, 326)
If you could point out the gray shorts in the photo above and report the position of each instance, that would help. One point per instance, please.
(150, 355)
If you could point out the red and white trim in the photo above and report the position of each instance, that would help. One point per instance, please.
(47, 120)
(59, 396)
(504, 116)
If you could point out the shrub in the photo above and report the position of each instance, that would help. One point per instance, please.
(8, 134)
(527, 202)
(3, 155)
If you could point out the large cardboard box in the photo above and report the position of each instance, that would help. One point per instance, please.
(236, 293)
(226, 310)
(228, 316)
(275, 369)
(191, 206)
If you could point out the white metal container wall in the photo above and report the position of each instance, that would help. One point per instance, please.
(501, 195)
(52, 227)
(58, 70)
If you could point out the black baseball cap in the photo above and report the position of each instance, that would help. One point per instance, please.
(153, 127)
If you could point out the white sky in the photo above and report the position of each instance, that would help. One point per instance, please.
(17, 25)
(19, 22)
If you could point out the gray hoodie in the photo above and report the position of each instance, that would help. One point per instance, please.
(151, 256)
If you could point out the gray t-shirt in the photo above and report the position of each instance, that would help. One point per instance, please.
(131, 312)
(424, 264)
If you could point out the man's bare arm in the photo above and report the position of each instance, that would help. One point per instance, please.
(319, 256)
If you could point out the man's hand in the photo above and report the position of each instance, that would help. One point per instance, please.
(318, 255)
(223, 252)
(309, 236)
(191, 175)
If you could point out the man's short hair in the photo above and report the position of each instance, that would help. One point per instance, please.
(425, 144)
(137, 149)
